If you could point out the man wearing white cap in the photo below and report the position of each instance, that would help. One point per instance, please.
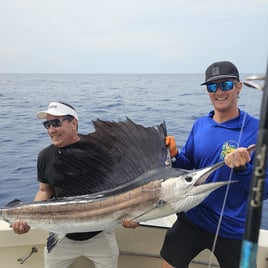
(101, 247)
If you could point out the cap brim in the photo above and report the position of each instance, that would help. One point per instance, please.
(43, 114)
(219, 77)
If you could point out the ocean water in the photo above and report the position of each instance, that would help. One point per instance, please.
(147, 99)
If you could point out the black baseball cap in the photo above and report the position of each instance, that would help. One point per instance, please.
(221, 70)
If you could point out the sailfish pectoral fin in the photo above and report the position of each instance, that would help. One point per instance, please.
(53, 240)
(157, 205)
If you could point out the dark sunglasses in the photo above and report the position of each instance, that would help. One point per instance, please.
(56, 122)
(224, 86)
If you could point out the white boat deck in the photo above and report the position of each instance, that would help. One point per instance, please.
(138, 248)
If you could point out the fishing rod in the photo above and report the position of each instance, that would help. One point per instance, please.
(254, 211)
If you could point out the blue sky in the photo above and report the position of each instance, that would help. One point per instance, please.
(125, 36)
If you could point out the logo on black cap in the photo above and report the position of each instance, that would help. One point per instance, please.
(216, 71)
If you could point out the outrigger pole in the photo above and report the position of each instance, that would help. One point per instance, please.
(254, 212)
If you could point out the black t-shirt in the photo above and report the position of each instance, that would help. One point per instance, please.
(72, 170)
(66, 170)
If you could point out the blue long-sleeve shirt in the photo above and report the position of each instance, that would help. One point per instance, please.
(207, 144)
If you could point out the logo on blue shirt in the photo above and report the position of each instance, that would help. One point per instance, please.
(227, 148)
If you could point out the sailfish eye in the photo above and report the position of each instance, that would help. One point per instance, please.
(188, 179)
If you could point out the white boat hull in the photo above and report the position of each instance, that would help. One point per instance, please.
(138, 248)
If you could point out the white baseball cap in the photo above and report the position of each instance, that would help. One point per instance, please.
(57, 109)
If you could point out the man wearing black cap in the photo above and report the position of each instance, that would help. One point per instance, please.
(224, 134)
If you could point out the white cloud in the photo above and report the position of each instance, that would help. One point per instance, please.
(163, 35)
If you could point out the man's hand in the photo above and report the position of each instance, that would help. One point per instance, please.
(129, 224)
(20, 227)
(237, 158)
(171, 143)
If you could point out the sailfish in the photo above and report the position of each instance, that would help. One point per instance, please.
(127, 169)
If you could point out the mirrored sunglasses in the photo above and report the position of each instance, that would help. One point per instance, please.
(55, 122)
(224, 86)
